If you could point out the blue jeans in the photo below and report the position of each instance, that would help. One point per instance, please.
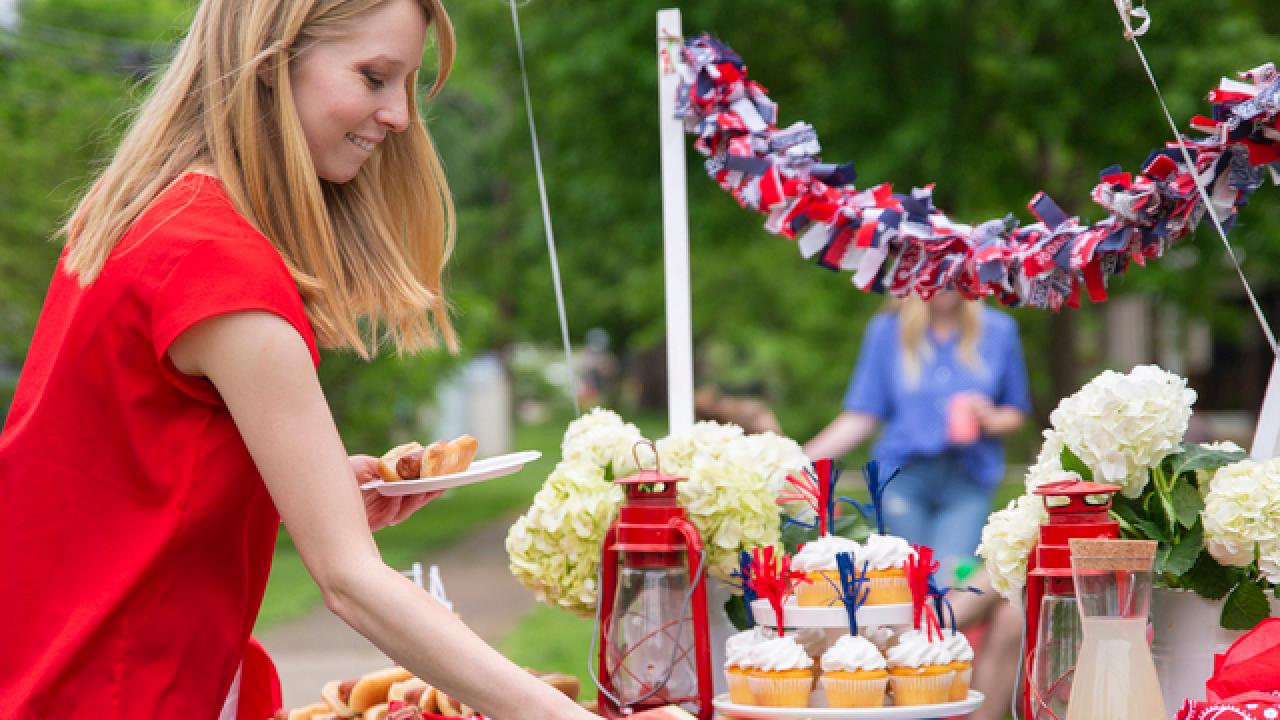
(935, 502)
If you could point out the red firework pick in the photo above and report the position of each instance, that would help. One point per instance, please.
(773, 579)
(919, 567)
(817, 489)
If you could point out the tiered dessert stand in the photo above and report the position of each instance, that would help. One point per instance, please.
(836, 617)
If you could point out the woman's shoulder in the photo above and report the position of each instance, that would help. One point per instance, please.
(998, 321)
(194, 211)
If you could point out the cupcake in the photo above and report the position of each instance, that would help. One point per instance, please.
(854, 673)
(885, 557)
(920, 671)
(779, 674)
(817, 560)
(737, 665)
(961, 661)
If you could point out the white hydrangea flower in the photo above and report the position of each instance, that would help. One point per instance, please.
(1242, 512)
(1048, 465)
(705, 439)
(1121, 425)
(733, 507)
(730, 492)
(1269, 560)
(776, 455)
(1007, 540)
(554, 548)
(600, 437)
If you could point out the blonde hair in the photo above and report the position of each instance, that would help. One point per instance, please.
(913, 327)
(367, 255)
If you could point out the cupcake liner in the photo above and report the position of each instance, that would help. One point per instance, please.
(781, 691)
(820, 590)
(853, 692)
(892, 590)
(739, 687)
(960, 685)
(922, 689)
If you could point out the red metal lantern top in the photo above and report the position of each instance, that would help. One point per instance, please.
(647, 535)
(1076, 510)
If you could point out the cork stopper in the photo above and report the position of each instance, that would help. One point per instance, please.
(1094, 554)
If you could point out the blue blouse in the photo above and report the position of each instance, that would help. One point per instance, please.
(915, 418)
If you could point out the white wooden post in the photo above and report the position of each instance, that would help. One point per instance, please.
(675, 227)
(1266, 435)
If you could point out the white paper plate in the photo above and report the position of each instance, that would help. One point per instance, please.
(479, 471)
(889, 712)
(831, 617)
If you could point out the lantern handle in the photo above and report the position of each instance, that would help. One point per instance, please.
(657, 463)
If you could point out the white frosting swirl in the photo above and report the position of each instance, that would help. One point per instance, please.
(782, 653)
(821, 554)
(737, 649)
(915, 650)
(882, 552)
(850, 653)
(958, 645)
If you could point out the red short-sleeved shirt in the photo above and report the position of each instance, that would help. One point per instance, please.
(137, 533)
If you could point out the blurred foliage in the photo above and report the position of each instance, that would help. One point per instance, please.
(989, 101)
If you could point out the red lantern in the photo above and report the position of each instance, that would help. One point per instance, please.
(1052, 631)
(654, 646)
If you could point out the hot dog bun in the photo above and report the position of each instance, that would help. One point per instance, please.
(459, 454)
(567, 684)
(372, 689)
(333, 694)
(377, 712)
(387, 463)
(303, 713)
(433, 458)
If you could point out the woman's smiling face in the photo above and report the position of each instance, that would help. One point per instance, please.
(350, 91)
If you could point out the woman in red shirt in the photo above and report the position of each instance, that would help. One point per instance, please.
(278, 191)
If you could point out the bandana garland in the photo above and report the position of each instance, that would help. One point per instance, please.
(903, 244)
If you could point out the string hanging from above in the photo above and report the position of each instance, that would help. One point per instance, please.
(901, 243)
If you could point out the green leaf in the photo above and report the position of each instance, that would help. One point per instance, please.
(1187, 503)
(1246, 607)
(1162, 556)
(1151, 530)
(1199, 457)
(1072, 463)
(1184, 554)
(736, 608)
(1209, 579)
(852, 526)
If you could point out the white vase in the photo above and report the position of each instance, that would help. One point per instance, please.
(720, 629)
(1187, 634)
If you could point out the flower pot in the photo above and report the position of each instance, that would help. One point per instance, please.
(1187, 635)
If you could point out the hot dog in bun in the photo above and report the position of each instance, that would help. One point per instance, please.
(350, 698)
(412, 461)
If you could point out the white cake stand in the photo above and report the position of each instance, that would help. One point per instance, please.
(888, 712)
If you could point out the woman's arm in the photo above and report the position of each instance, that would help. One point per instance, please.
(1000, 419)
(264, 372)
(847, 431)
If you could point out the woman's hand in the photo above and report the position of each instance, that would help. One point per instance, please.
(384, 510)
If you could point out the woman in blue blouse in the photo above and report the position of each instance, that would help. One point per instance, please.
(916, 359)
